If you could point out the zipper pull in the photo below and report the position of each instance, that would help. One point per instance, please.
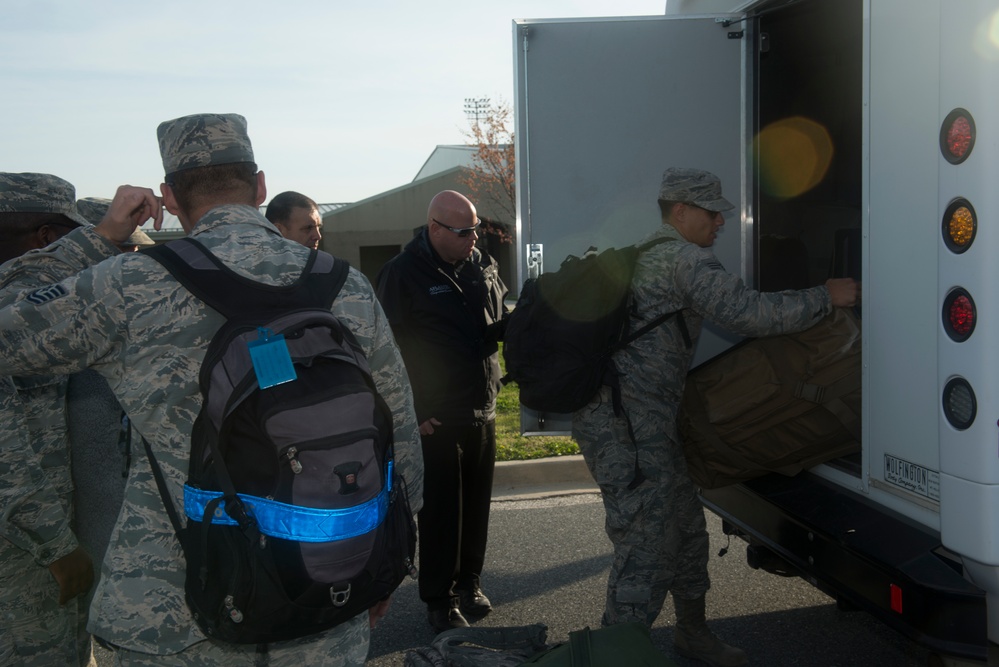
(296, 465)
(234, 614)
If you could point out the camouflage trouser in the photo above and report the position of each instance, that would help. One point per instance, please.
(346, 645)
(34, 629)
(658, 529)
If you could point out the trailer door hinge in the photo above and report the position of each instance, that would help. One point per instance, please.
(726, 22)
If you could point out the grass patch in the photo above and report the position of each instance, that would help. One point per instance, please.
(510, 444)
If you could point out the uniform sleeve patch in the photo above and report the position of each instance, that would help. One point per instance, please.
(47, 294)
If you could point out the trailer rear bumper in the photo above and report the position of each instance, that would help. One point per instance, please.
(863, 555)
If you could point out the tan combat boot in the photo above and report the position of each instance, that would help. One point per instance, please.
(693, 639)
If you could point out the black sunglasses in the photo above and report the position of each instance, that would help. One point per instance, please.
(464, 232)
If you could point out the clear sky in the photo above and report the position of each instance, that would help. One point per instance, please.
(344, 98)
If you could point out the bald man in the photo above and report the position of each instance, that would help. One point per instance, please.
(444, 299)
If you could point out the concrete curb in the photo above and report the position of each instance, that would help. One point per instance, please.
(557, 475)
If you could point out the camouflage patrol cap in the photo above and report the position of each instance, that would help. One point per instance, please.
(38, 193)
(95, 208)
(693, 186)
(203, 140)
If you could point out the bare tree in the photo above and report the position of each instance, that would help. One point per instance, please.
(493, 178)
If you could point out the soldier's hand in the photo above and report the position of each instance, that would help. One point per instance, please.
(130, 207)
(74, 573)
(378, 611)
(844, 291)
(427, 427)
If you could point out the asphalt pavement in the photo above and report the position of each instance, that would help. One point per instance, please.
(548, 560)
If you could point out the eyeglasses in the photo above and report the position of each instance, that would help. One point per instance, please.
(464, 232)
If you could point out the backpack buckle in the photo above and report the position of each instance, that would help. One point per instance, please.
(339, 598)
(236, 509)
(809, 392)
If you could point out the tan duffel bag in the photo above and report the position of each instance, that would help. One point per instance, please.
(777, 404)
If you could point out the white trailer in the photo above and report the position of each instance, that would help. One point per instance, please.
(867, 133)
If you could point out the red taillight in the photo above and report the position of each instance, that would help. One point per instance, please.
(896, 598)
(959, 314)
(959, 311)
(957, 136)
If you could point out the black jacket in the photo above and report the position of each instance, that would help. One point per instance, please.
(447, 321)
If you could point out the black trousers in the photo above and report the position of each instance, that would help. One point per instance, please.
(454, 522)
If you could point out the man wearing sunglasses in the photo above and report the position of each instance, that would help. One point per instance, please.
(444, 300)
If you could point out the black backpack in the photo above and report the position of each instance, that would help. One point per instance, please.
(566, 326)
(296, 520)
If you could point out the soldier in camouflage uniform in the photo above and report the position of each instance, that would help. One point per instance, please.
(147, 335)
(35, 629)
(100, 433)
(653, 517)
(46, 573)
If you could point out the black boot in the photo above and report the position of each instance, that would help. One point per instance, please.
(472, 600)
(693, 638)
(446, 618)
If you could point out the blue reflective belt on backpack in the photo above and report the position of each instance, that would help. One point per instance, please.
(293, 522)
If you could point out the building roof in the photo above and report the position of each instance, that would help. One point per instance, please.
(172, 224)
(444, 158)
(447, 157)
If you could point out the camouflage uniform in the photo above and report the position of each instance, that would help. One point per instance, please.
(658, 529)
(30, 593)
(34, 531)
(130, 320)
(100, 434)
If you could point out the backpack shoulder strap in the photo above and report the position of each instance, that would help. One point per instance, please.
(653, 243)
(649, 326)
(224, 290)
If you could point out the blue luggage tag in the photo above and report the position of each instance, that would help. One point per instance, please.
(271, 359)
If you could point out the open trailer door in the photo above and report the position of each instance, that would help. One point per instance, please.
(602, 107)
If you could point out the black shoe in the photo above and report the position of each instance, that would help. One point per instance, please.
(473, 601)
(446, 619)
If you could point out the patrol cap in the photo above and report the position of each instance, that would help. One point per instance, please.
(203, 140)
(95, 208)
(39, 193)
(693, 186)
